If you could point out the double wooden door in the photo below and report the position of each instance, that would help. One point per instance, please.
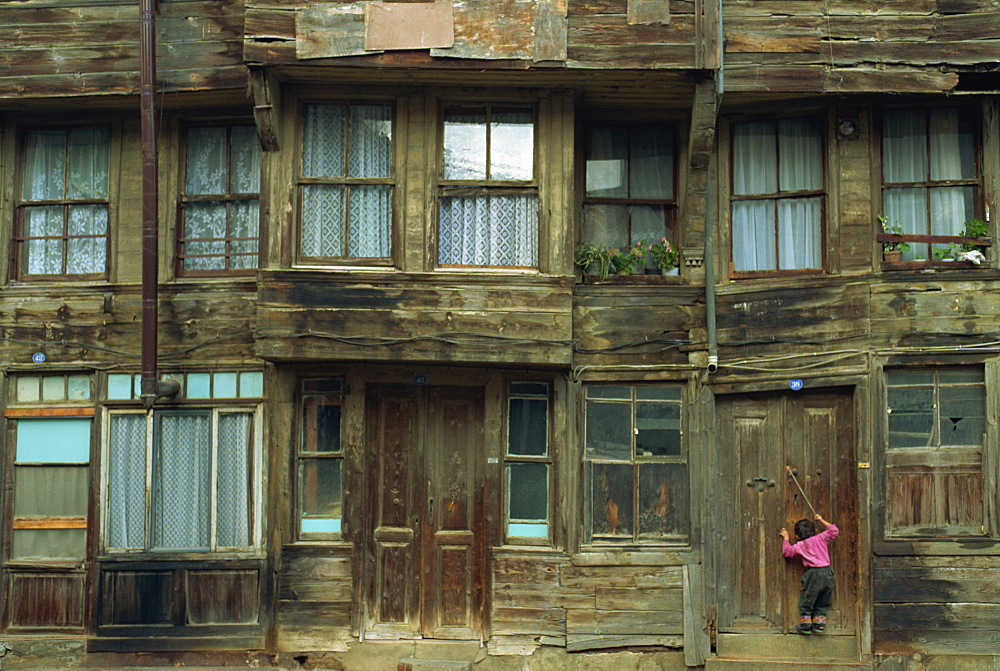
(762, 438)
(425, 536)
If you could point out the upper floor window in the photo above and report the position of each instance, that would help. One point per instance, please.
(777, 195)
(346, 182)
(488, 205)
(630, 192)
(62, 224)
(930, 172)
(219, 222)
(636, 464)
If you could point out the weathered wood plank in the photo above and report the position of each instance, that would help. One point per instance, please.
(623, 622)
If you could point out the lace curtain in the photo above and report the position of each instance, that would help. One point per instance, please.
(928, 146)
(780, 232)
(342, 143)
(65, 165)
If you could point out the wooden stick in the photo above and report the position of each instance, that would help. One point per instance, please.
(796, 481)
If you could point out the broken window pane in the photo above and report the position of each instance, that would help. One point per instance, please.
(528, 493)
(609, 430)
(658, 429)
(663, 500)
(612, 500)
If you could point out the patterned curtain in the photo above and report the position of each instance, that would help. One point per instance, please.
(126, 512)
(233, 491)
(182, 482)
(489, 231)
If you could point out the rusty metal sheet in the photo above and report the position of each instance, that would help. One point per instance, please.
(551, 28)
(331, 30)
(644, 12)
(409, 25)
(493, 29)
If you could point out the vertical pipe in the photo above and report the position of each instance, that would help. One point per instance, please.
(150, 195)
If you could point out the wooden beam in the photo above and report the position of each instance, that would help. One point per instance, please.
(266, 108)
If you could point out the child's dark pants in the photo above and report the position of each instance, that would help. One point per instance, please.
(817, 591)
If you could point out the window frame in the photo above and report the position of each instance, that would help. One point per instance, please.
(511, 459)
(228, 198)
(817, 121)
(301, 456)
(670, 205)
(488, 187)
(393, 181)
(254, 472)
(18, 248)
(600, 542)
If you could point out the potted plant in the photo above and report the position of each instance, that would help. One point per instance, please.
(624, 262)
(665, 256)
(892, 250)
(592, 259)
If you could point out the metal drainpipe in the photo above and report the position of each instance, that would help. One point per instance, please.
(713, 341)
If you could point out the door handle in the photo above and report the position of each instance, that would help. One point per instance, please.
(430, 511)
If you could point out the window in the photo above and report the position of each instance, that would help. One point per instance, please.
(63, 210)
(320, 460)
(51, 474)
(199, 468)
(777, 196)
(636, 469)
(346, 183)
(934, 453)
(630, 185)
(219, 222)
(528, 464)
(488, 207)
(930, 173)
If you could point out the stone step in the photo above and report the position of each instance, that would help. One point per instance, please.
(783, 664)
(788, 646)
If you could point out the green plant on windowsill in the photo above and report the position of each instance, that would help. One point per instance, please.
(973, 228)
(623, 262)
(895, 228)
(592, 257)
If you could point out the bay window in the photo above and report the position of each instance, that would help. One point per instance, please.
(777, 195)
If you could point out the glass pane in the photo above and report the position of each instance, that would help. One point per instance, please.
(800, 151)
(908, 399)
(199, 385)
(529, 389)
(904, 146)
(489, 231)
(119, 386)
(754, 244)
(53, 388)
(324, 212)
(323, 141)
(182, 482)
(755, 158)
(528, 492)
(612, 488)
(651, 169)
(251, 384)
(370, 224)
(206, 170)
(320, 488)
(244, 160)
(28, 389)
(321, 424)
(88, 163)
(126, 510)
(800, 239)
(607, 161)
(663, 500)
(370, 141)
(527, 432)
(658, 429)
(464, 146)
(609, 430)
(50, 491)
(911, 377)
(512, 146)
(78, 387)
(53, 440)
(969, 375)
(963, 420)
(49, 544)
(609, 391)
(605, 224)
(908, 206)
(911, 429)
(649, 223)
(647, 393)
(44, 165)
(224, 385)
(89, 254)
(952, 144)
(234, 489)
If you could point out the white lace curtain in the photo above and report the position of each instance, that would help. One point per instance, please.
(65, 165)
(923, 146)
(779, 232)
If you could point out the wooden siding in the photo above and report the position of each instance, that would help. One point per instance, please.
(64, 49)
(314, 600)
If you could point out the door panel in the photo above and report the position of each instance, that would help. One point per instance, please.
(761, 438)
(425, 452)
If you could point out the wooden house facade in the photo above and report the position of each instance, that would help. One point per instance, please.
(402, 424)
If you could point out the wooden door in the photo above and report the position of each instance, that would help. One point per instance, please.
(761, 437)
(425, 561)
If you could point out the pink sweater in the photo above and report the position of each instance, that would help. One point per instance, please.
(815, 551)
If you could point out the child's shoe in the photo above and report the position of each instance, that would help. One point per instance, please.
(819, 624)
(805, 625)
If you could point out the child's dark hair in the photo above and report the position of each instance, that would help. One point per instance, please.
(805, 529)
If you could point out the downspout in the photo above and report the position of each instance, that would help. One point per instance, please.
(713, 340)
(151, 387)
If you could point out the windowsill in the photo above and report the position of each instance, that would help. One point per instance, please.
(634, 279)
(932, 265)
(661, 555)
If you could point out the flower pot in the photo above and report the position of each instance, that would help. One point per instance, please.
(623, 271)
(671, 271)
(892, 256)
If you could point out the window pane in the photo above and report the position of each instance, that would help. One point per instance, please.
(658, 429)
(88, 163)
(904, 146)
(324, 209)
(754, 245)
(489, 231)
(512, 146)
(528, 427)
(320, 488)
(612, 499)
(800, 151)
(323, 141)
(233, 503)
(952, 149)
(182, 482)
(369, 226)
(321, 424)
(78, 387)
(969, 375)
(609, 430)
(607, 162)
(529, 388)
(963, 411)
(244, 160)
(663, 500)
(755, 158)
(658, 393)
(126, 482)
(28, 389)
(528, 492)
(465, 146)
(224, 385)
(370, 141)
(53, 388)
(605, 224)
(611, 391)
(206, 161)
(44, 165)
(50, 491)
(651, 168)
(800, 243)
(49, 544)
(913, 377)
(51, 441)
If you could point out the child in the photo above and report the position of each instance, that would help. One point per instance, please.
(817, 583)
